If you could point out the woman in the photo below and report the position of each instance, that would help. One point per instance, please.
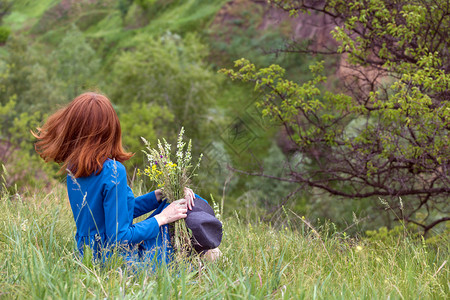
(85, 137)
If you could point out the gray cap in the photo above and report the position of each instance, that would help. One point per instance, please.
(206, 228)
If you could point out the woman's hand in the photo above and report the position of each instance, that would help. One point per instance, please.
(175, 211)
(189, 196)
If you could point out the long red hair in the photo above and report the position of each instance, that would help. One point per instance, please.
(82, 135)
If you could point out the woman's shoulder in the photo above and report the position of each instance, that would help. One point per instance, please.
(111, 173)
(113, 166)
(110, 168)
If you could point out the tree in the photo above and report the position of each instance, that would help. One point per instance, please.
(384, 132)
(144, 120)
(77, 62)
(124, 6)
(16, 146)
(29, 77)
(168, 71)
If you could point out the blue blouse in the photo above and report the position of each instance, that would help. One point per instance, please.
(104, 207)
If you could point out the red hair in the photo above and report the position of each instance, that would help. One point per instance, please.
(82, 135)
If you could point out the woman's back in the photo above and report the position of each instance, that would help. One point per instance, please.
(87, 195)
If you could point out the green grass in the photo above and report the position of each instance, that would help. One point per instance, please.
(33, 8)
(26, 13)
(37, 261)
(190, 15)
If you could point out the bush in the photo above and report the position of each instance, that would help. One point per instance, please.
(4, 34)
(168, 72)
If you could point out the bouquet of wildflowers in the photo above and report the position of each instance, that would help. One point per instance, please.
(172, 176)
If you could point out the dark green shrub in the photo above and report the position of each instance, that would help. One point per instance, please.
(4, 34)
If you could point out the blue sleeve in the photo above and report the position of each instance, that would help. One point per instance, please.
(118, 217)
(144, 204)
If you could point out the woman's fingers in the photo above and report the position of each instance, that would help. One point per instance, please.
(193, 196)
(190, 196)
(175, 211)
(187, 196)
(181, 201)
(189, 203)
(182, 209)
(181, 206)
(178, 210)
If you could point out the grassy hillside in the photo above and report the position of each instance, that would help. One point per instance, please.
(26, 13)
(104, 20)
(38, 261)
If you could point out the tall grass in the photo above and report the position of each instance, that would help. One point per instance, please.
(37, 260)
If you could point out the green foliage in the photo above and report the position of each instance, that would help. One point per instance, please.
(4, 34)
(57, 78)
(26, 12)
(401, 144)
(77, 63)
(144, 120)
(155, 7)
(270, 192)
(124, 6)
(160, 81)
(33, 8)
(387, 235)
(168, 71)
(5, 7)
(29, 77)
(17, 151)
(241, 31)
(182, 17)
(146, 4)
(58, 62)
(440, 238)
(18, 116)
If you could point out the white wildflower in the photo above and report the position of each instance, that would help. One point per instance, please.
(384, 202)
(188, 156)
(167, 146)
(199, 160)
(24, 225)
